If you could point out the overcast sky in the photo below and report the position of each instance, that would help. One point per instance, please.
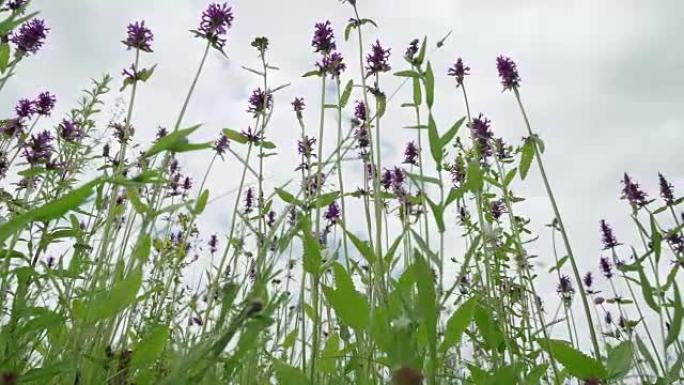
(602, 82)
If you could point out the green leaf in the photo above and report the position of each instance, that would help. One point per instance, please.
(454, 194)
(151, 347)
(427, 299)
(429, 81)
(174, 142)
(673, 374)
(417, 92)
(324, 200)
(421, 54)
(676, 324)
(7, 25)
(363, 247)
(330, 353)
(656, 239)
(474, 175)
(235, 136)
(344, 99)
(349, 305)
(646, 354)
(289, 375)
(381, 101)
(559, 264)
(4, 56)
(201, 203)
(577, 363)
(312, 258)
(407, 74)
(435, 145)
(647, 290)
(49, 211)
(488, 328)
(458, 323)
(438, 213)
(286, 196)
(312, 73)
(451, 134)
(526, 156)
(109, 303)
(619, 360)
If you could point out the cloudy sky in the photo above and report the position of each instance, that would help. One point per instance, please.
(602, 83)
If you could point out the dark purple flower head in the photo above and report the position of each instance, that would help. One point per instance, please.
(606, 267)
(609, 318)
(458, 172)
(588, 280)
(482, 135)
(252, 136)
(4, 166)
(30, 36)
(508, 72)
(122, 132)
(213, 243)
(377, 59)
(221, 144)
(216, 21)
(398, 179)
(360, 111)
(411, 153)
(24, 109)
(333, 213)
(565, 288)
(459, 71)
(676, 241)
(305, 146)
(633, 193)
(249, 200)
(362, 139)
(298, 106)
(607, 236)
(139, 37)
(259, 102)
(44, 103)
(501, 149)
(386, 180)
(411, 50)
(16, 5)
(270, 218)
(162, 132)
(332, 64)
(70, 131)
(666, 190)
(11, 127)
(324, 38)
(497, 209)
(187, 183)
(38, 149)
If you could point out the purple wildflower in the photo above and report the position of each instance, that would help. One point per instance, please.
(502, 150)
(497, 209)
(162, 132)
(221, 144)
(259, 102)
(411, 153)
(565, 288)
(39, 148)
(633, 193)
(270, 218)
(666, 190)
(324, 38)
(16, 5)
(30, 36)
(377, 59)
(333, 213)
(588, 280)
(44, 103)
(139, 37)
(609, 318)
(187, 183)
(332, 64)
(362, 138)
(4, 166)
(216, 20)
(508, 72)
(249, 200)
(607, 237)
(386, 179)
(458, 172)
(305, 146)
(252, 136)
(606, 267)
(411, 50)
(676, 241)
(360, 111)
(459, 71)
(24, 109)
(481, 133)
(298, 106)
(70, 131)
(213, 243)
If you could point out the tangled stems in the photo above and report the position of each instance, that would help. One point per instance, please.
(566, 240)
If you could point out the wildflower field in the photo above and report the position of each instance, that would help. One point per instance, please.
(345, 269)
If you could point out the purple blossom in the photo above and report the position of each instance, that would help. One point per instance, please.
(386, 179)
(252, 136)
(607, 236)
(676, 241)
(606, 267)
(30, 37)
(216, 21)
(298, 106)
(565, 288)
(305, 146)
(459, 71)
(411, 153)
(633, 193)
(162, 132)
(497, 209)
(16, 5)
(332, 64)
(398, 183)
(508, 72)
(70, 131)
(139, 37)
(38, 149)
(324, 38)
(377, 59)
(333, 213)
(482, 135)
(4, 166)
(458, 172)
(666, 190)
(411, 50)
(362, 138)
(270, 218)
(360, 111)
(501, 150)
(588, 280)
(187, 184)
(24, 109)
(213, 243)
(249, 200)
(44, 103)
(259, 102)
(221, 144)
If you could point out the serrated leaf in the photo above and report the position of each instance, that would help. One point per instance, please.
(312, 258)
(362, 247)
(619, 360)
(578, 364)
(148, 350)
(458, 323)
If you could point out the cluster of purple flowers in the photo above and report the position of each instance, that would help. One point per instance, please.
(411, 153)
(259, 102)
(221, 145)
(16, 5)
(497, 208)
(457, 170)
(323, 42)
(70, 131)
(216, 21)
(25, 109)
(508, 72)
(139, 37)
(482, 135)
(333, 213)
(249, 200)
(411, 51)
(607, 236)
(305, 147)
(666, 190)
(459, 71)
(395, 181)
(565, 288)
(633, 193)
(377, 59)
(298, 106)
(30, 36)
(38, 149)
